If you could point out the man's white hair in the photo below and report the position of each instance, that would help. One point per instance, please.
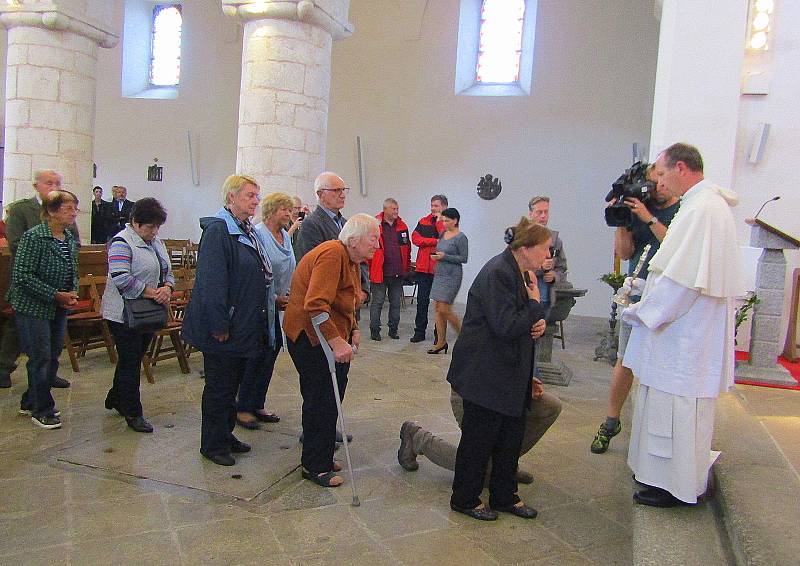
(357, 227)
(324, 180)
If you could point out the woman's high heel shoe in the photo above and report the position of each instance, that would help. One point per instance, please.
(439, 349)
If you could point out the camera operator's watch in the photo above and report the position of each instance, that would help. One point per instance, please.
(652, 221)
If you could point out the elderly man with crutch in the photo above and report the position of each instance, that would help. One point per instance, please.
(327, 282)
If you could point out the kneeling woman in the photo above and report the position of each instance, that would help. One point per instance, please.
(492, 370)
(328, 280)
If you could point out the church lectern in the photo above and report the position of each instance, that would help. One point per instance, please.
(765, 332)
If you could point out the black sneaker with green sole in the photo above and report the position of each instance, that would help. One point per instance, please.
(603, 438)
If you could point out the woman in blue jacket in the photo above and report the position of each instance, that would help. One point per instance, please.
(227, 316)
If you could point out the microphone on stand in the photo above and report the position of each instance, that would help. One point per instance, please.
(765, 204)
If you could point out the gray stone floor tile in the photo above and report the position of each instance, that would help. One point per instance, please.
(230, 541)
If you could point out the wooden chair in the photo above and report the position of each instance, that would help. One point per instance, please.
(177, 250)
(86, 329)
(158, 350)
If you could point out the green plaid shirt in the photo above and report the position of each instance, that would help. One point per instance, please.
(40, 270)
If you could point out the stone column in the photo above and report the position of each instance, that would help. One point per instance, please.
(50, 95)
(283, 102)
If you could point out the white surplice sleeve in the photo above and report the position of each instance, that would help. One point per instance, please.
(666, 301)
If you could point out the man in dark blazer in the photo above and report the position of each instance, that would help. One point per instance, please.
(23, 215)
(99, 215)
(118, 211)
(326, 221)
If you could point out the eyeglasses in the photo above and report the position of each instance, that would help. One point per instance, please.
(340, 191)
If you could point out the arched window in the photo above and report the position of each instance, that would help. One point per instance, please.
(165, 58)
(500, 43)
(495, 47)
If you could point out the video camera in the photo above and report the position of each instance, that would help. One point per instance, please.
(632, 183)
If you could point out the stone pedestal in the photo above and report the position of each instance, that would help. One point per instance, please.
(50, 95)
(551, 371)
(765, 334)
(283, 102)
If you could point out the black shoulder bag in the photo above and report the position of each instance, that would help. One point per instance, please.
(145, 315)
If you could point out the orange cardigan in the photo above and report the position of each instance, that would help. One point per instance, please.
(325, 280)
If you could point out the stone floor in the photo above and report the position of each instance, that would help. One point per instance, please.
(94, 492)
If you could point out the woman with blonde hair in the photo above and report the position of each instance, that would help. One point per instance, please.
(227, 316)
(276, 209)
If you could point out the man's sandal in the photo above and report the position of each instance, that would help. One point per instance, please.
(323, 479)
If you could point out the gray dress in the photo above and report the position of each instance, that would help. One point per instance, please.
(447, 277)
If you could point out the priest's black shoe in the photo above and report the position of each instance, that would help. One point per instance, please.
(417, 338)
(522, 511)
(59, 383)
(139, 424)
(657, 497)
(482, 514)
(220, 459)
(239, 447)
(394, 335)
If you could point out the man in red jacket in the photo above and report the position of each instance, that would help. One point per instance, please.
(388, 268)
(425, 237)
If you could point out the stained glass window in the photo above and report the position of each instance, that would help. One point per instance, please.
(500, 43)
(165, 62)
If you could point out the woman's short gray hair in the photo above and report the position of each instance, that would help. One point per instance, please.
(357, 227)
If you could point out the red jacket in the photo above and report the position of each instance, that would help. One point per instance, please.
(425, 237)
(376, 263)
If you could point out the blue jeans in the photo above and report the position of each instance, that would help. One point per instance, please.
(43, 341)
(394, 287)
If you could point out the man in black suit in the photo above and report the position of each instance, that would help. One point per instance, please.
(118, 211)
(99, 214)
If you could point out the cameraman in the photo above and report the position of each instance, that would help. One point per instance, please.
(648, 226)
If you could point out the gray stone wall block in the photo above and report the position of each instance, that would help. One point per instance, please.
(770, 276)
(766, 328)
(761, 238)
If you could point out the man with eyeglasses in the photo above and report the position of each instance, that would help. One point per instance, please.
(326, 222)
(23, 215)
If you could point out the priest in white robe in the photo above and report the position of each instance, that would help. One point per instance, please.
(681, 345)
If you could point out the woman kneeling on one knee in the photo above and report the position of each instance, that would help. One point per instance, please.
(138, 266)
(492, 370)
(327, 280)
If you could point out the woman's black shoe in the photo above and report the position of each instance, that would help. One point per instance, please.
(522, 511)
(220, 459)
(249, 425)
(439, 349)
(268, 418)
(483, 514)
(239, 447)
(139, 424)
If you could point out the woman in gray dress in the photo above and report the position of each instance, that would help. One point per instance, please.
(451, 252)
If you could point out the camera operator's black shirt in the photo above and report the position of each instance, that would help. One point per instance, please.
(643, 235)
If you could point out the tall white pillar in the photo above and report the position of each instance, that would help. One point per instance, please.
(698, 78)
(50, 93)
(283, 103)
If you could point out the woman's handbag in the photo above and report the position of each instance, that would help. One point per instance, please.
(144, 315)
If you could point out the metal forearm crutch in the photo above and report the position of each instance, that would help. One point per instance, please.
(317, 322)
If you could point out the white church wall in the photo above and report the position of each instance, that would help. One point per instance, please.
(593, 77)
(776, 172)
(131, 132)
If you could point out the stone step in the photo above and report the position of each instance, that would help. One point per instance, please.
(757, 488)
(678, 536)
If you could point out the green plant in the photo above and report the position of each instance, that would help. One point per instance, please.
(614, 280)
(742, 312)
